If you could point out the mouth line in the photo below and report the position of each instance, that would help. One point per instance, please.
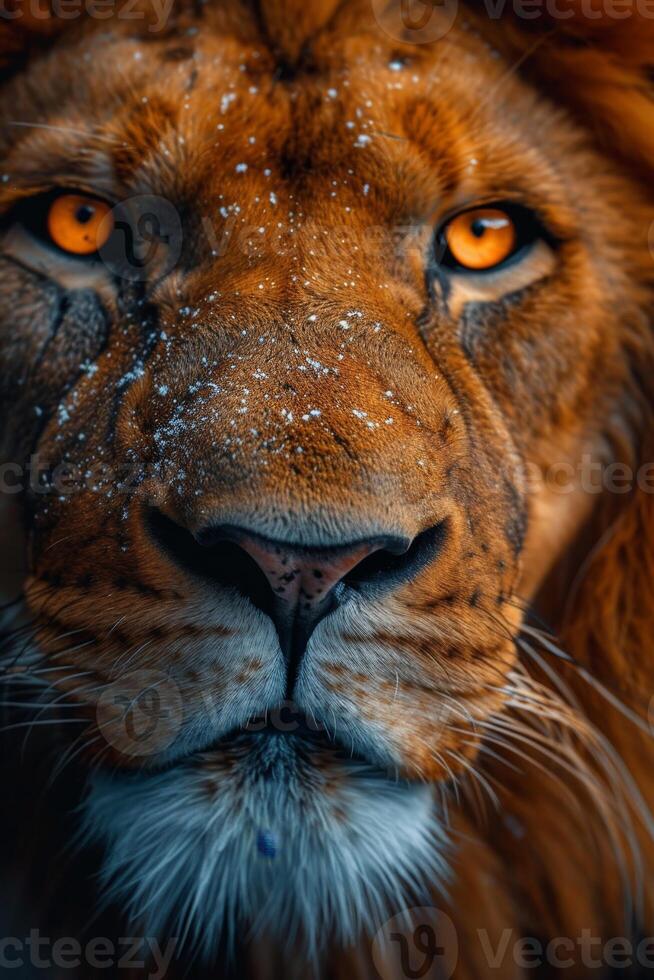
(261, 738)
(300, 734)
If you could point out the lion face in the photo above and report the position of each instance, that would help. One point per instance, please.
(336, 320)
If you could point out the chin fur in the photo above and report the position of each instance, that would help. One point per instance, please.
(277, 837)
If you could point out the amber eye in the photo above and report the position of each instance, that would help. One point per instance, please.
(79, 224)
(480, 239)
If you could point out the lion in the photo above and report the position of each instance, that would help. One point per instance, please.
(327, 393)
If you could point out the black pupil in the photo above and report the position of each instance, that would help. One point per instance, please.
(478, 227)
(84, 213)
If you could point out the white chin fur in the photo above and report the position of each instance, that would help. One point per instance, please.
(279, 838)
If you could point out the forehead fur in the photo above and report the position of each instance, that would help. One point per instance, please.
(191, 115)
(608, 80)
(599, 69)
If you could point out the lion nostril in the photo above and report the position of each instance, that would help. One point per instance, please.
(218, 560)
(398, 562)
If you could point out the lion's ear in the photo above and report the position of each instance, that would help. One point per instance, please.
(597, 58)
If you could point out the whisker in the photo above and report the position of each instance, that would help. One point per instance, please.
(597, 685)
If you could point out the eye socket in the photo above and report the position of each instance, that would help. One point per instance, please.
(79, 224)
(483, 239)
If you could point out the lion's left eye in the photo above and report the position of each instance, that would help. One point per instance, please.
(484, 239)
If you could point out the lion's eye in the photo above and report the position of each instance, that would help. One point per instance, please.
(483, 239)
(79, 224)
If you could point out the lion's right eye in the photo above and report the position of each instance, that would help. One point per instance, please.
(79, 224)
(487, 239)
(74, 224)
